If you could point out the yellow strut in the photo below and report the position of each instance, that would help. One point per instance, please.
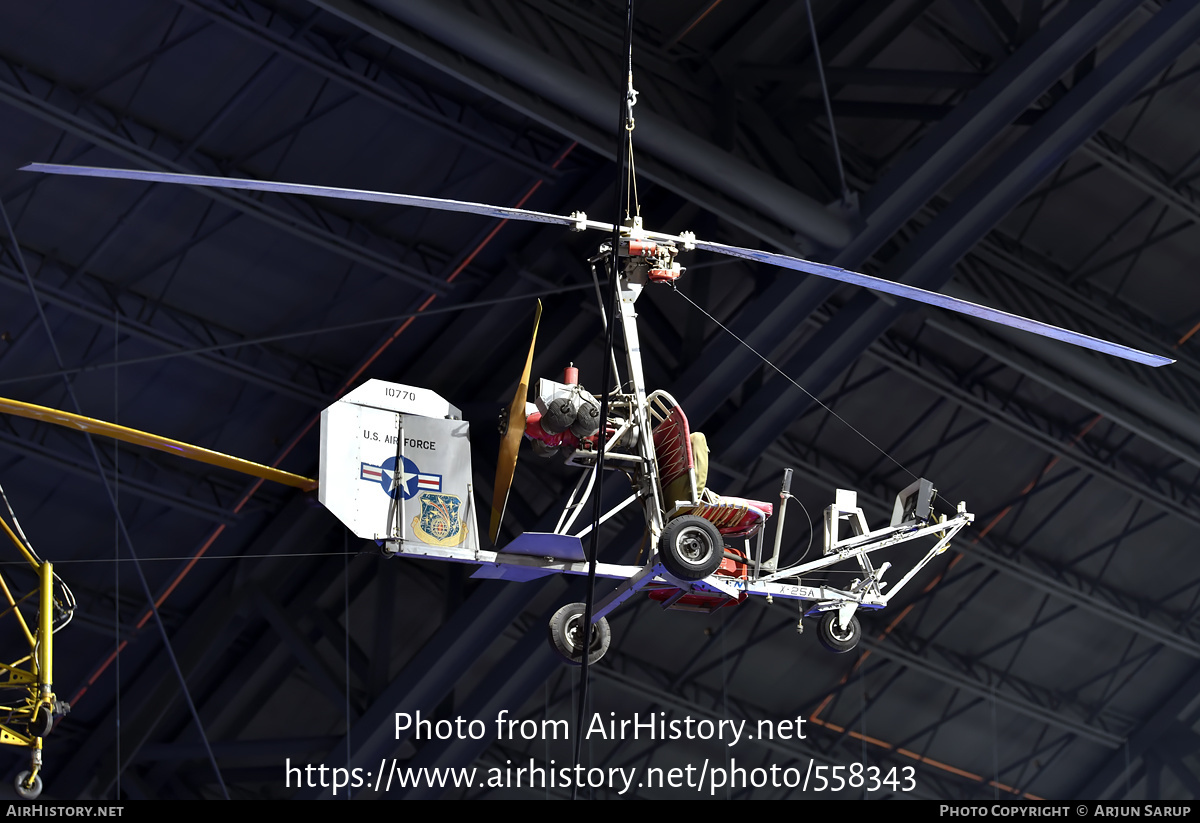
(33, 561)
(45, 650)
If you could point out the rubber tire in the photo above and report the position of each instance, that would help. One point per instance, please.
(838, 640)
(32, 792)
(565, 629)
(691, 548)
(42, 723)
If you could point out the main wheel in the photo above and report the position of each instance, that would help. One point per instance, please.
(28, 792)
(836, 638)
(691, 548)
(567, 632)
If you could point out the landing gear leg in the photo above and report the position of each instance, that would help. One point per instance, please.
(28, 784)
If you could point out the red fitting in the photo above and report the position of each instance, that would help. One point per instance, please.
(589, 443)
(642, 248)
(571, 375)
(534, 431)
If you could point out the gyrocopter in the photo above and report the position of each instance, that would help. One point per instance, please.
(395, 459)
(395, 468)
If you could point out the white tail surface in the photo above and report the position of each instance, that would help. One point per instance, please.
(396, 465)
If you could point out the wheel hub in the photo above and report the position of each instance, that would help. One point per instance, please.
(694, 546)
(573, 632)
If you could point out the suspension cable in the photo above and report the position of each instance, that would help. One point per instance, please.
(624, 132)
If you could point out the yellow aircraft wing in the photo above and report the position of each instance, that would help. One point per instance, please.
(153, 441)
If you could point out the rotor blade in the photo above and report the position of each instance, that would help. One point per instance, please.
(504, 212)
(941, 300)
(206, 181)
(506, 463)
(153, 441)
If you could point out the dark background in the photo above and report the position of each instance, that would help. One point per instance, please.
(1037, 155)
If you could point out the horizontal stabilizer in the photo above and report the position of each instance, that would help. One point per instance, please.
(541, 544)
(515, 574)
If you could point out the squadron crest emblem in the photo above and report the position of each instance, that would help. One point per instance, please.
(439, 523)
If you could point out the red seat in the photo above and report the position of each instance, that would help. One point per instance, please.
(683, 471)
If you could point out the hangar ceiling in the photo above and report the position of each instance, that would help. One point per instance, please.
(1036, 155)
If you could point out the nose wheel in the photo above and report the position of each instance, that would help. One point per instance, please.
(26, 788)
(837, 638)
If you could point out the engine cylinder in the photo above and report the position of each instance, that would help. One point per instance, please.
(587, 419)
(560, 415)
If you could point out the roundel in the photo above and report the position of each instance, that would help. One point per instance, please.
(397, 483)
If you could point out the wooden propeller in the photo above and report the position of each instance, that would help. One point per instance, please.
(510, 440)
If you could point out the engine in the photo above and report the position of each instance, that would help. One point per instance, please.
(564, 415)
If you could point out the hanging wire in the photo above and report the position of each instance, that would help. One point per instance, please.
(616, 373)
(625, 126)
(637, 203)
(177, 557)
(862, 682)
(837, 154)
(630, 124)
(126, 538)
(346, 638)
(788, 378)
(275, 338)
(117, 554)
(725, 699)
(995, 749)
